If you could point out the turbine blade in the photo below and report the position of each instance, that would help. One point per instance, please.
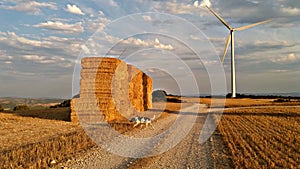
(226, 47)
(251, 25)
(220, 18)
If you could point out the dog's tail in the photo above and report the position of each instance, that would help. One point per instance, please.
(153, 117)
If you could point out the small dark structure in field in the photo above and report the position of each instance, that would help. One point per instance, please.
(159, 95)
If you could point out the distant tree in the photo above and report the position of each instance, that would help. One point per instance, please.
(21, 107)
(66, 103)
(238, 95)
(281, 100)
(1, 108)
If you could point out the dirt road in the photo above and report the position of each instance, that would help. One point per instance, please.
(189, 153)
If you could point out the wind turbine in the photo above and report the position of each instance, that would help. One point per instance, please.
(231, 38)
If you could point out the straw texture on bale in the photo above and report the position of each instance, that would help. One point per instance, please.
(113, 88)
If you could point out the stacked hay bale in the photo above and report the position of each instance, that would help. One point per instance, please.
(147, 89)
(140, 88)
(113, 88)
(74, 117)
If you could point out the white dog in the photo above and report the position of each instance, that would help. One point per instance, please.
(142, 120)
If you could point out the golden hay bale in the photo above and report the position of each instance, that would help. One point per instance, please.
(148, 92)
(112, 87)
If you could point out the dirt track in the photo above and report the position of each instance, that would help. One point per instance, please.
(189, 153)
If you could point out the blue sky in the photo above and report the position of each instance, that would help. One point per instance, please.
(41, 41)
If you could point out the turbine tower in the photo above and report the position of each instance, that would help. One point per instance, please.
(231, 38)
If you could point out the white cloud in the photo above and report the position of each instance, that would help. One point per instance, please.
(33, 57)
(273, 44)
(178, 8)
(61, 27)
(10, 57)
(74, 9)
(69, 46)
(8, 62)
(55, 48)
(4, 58)
(85, 50)
(97, 24)
(135, 41)
(159, 45)
(279, 71)
(181, 8)
(101, 14)
(147, 18)
(111, 39)
(14, 39)
(156, 41)
(292, 57)
(292, 11)
(217, 39)
(148, 43)
(162, 46)
(47, 60)
(31, 7)
(196, 4)
(112, 3)
(203, 3)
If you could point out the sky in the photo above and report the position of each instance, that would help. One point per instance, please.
(178, 43)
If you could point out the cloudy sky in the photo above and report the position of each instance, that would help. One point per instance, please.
(41, 42)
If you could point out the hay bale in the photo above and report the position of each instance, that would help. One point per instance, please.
(135, 88)
(73, 111)
(147, 92)
(113, 88)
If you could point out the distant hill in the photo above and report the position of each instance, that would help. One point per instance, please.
(295, 95)
(291, 94)
(8, 103)
(283, 95)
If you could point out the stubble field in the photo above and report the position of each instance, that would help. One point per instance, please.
(258, 133)
(29, 139)
(262, 137)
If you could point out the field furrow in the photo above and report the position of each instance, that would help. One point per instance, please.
(264, 138)
(259, 141)
(288, 138)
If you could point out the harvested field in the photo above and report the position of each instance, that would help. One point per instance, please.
(9, 103)
(160, 109)
(34, 138)
(187, 154)
(246, 102)
(63, 114)
(263, 137)
(251, 137)
(28, 142)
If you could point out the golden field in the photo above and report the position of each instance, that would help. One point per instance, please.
(264, 136)
(35, 138)
(246, 102)
(31, 140)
